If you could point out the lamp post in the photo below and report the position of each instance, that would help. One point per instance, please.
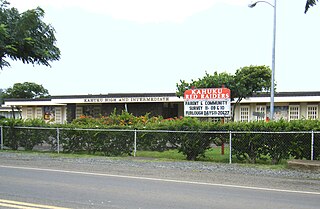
(273, 52)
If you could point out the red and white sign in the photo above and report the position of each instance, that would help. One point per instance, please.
(210, 102)
(207, 94)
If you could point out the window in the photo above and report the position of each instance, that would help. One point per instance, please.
(29, 113)
(312, 112)
(215, 119)
(294, 112)
(96, 111)
(262, 110)
(92, 110)
(244, 113)
(38, 112)
(79, 112)
(58, 116)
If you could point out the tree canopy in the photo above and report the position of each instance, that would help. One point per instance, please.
(310, 3)
(26, 90)
(25, 37)
(244, 83)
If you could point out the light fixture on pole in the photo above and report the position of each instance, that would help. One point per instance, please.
(251, 5)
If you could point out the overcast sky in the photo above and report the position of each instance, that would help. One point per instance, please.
(143, 46)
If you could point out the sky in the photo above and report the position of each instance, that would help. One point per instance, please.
(148, 46)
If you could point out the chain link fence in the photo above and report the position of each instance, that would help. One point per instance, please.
(235, 146)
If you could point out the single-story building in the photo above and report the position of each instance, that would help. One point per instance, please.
(8, 112)
(61, 109)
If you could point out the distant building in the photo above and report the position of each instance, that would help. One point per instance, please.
(59, 109)
(8, 113)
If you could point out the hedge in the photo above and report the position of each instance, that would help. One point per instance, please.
(189, 136)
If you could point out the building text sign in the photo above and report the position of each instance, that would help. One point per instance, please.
(210, 102)
(126, 99)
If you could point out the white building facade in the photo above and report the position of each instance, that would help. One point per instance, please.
(287, 106)
(62, 109)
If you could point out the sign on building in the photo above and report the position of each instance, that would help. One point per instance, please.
(210, 102)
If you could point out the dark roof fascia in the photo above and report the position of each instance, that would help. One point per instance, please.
(23, 100)
(288, 94)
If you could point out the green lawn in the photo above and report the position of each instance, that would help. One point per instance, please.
(212, 155)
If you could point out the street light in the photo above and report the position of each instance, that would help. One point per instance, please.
(251, 5)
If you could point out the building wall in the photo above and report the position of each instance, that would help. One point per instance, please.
(167, 110)
(9, 114)
(243, 112)
(286, 111)
(54, 114)
(288, 106)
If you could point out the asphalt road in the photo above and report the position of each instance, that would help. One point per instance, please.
(62, 188)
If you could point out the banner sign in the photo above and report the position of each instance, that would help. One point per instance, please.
(211, 102)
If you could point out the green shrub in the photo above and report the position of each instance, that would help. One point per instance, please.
(190, 136)
(115, 143)
(154, 141)
(192, 143)
(247, 146)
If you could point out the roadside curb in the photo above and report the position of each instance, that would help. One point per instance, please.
(313, 165)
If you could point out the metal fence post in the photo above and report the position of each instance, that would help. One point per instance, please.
(230, 147)
(1, 136)
(58, 140)
(312, 144)
(135, 143)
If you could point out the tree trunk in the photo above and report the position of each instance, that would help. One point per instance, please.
(13, 114)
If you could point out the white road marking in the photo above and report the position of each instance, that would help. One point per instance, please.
(163, 180)
(25, 205)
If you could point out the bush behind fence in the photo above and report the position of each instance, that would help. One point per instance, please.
(244, 145)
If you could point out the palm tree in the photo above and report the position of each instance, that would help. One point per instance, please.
(310, 3)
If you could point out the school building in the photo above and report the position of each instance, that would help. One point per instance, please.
(62, 109)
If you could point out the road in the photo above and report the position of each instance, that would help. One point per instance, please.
(75, 189)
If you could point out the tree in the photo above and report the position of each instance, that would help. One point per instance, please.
(208, 81)
(1, 99)
(26, 90)
(310, 3)
(250, 80)
(25, 37)
(245, 82)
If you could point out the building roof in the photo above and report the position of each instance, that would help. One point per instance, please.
(289, 94)
(113, 95)
(263, 97)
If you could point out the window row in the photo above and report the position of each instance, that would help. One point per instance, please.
(291, 112)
